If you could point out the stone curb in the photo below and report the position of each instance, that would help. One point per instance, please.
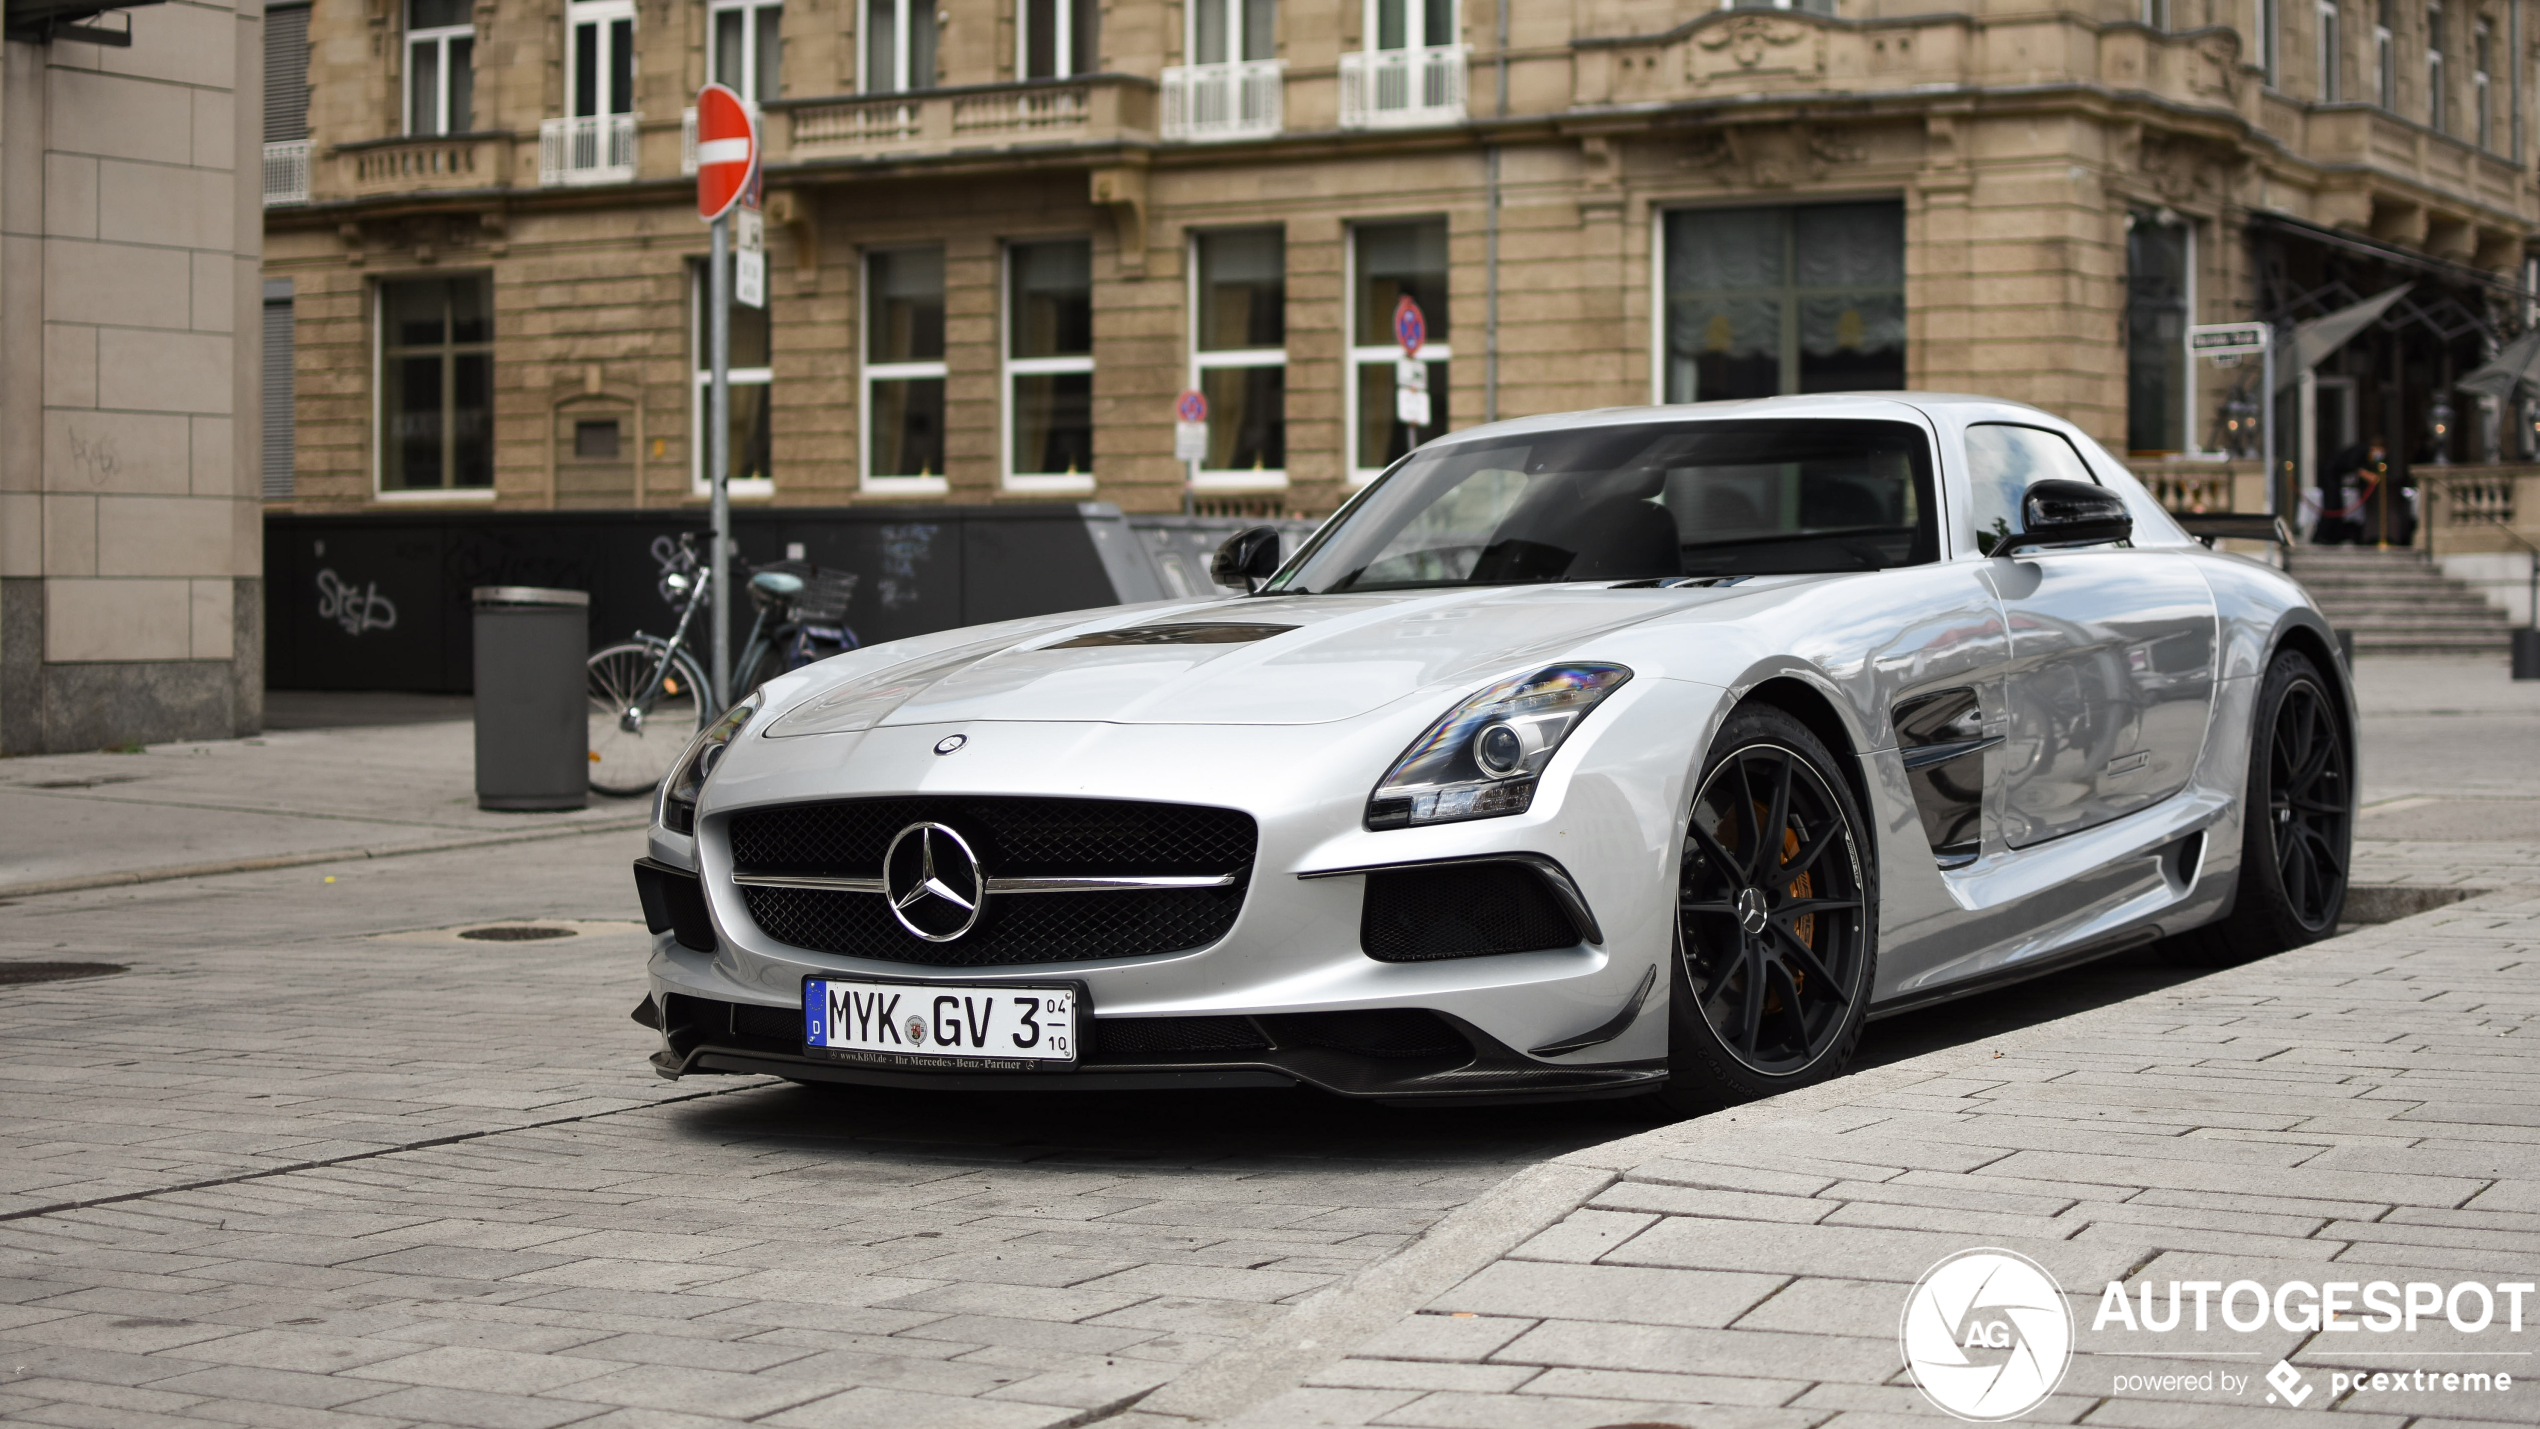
(1234, 1387)
(121, 877)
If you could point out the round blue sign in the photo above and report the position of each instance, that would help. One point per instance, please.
(1191, 406)
(1409, 327)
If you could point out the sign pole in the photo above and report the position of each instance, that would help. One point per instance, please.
(2266, 419)
(719, 447)
(727, 162)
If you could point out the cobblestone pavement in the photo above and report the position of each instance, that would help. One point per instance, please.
(290, 797)
(2366, 1109)
(340, 1168)
(318, 1160)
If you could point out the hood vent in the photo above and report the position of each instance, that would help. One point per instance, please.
(1175, 635)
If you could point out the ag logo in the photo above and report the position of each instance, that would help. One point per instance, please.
(1987, 1334)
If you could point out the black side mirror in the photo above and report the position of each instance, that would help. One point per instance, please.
(2071, 513)
(1248, 558)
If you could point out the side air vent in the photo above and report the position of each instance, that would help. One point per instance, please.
(1942, 740)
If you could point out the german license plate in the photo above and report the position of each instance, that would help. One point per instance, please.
(989, 1026)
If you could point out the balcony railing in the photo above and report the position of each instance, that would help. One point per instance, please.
(286, 173)
(985, 116)
(419, 163)
(1223, 101)
(1384, 89)
(586, 149)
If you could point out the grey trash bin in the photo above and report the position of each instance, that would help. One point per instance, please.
(533, 739)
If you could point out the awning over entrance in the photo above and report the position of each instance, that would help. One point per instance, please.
(2516, 364)
(2322, 336)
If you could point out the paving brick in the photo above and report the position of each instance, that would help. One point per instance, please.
(1666, 1349)
(472, 1409)
(1415, 1374)
(865, 1408)
(1550, 1290)
(1452, 1410)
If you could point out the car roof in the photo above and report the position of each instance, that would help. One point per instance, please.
(1830, 404)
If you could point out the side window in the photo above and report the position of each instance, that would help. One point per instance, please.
(2002, 462)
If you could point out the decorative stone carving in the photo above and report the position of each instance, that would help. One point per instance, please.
(1756, 44)
(1749, 38)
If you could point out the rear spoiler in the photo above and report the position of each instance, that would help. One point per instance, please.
(2211, 526)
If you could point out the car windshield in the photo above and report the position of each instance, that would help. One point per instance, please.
(1644, 502)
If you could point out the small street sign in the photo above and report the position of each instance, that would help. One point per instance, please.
(749, 277)
(1190, 426)
(2229, 339)
(1410, 326)
(1411, 391)
(727, 150)
(749, 228)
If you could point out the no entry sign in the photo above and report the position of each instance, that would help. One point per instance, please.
(727, 150)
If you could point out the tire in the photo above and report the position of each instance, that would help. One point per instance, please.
(1772, 974)
(629, 762)
(2298, 827)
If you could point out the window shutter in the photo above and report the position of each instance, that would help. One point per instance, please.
(286, 73)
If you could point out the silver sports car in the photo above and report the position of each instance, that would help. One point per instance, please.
(1643, 751)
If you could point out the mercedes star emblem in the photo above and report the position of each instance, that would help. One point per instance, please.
(933, 881)
(951, 742)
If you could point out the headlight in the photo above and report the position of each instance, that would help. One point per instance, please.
(678, 811)
(1482, 759)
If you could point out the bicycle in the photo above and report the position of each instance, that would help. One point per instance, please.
(649, 696)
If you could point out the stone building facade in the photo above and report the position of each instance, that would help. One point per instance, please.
(130, 239)
(1004, 234)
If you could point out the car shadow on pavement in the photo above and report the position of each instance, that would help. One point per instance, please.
(2116, 978)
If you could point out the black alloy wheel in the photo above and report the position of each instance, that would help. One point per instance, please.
(1776, 903)
(2297, 836)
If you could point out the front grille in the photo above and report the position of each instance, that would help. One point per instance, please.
(1014, 837)
(1465, 910)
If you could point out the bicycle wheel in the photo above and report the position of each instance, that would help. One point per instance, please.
(632, 749)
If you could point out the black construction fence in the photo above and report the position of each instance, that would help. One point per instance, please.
(380, 601)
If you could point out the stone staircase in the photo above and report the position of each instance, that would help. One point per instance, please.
(2399, 603)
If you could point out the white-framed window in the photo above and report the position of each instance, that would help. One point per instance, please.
(1048, 362)
(1410, 24)
(1231, 31)
(899, 46)
(1757, 302)
(1056, 38)
(2482, 56)
(435, 386)
(2385, 54)
(594, 141)
(1239, 355)
(600, 61)
(1413, 71)
(2437, 113)
(903, 426)
(753, 377)
(1232, 86)
(745, 47)
(1389, 261)
(440, 66)
(2329, 53)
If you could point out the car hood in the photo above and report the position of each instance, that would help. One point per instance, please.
(1275, 660)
